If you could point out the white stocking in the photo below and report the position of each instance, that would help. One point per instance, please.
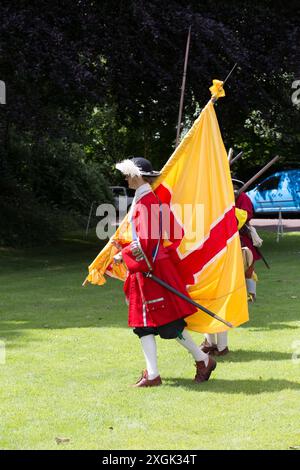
(222, 340)
(149, 349)
(211, 339)
(187, 342)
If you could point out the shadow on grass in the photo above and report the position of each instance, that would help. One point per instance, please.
(270, 314)
(47, 292)
(273, 326)
(244, 355)
(12, 331)
(245, 387)
(65, 252)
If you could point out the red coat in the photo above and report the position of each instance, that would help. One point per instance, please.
(149, 303)
(244, 202)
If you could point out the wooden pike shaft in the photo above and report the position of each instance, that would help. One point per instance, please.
(236, 158)
(229, 156)
(265, 168)
(183, 86)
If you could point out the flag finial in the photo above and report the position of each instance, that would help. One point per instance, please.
(217, 90)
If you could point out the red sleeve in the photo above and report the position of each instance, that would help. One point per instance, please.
(146, 223)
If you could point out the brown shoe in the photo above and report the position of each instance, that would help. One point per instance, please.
(208, 348)
(203, 372)
(145, 382)
(221, 353)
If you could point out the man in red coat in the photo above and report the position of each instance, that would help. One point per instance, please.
(153, 310)
(243, 202)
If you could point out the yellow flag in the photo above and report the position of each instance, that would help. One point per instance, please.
(197, 177)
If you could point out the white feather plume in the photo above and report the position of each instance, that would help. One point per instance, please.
(127, 167)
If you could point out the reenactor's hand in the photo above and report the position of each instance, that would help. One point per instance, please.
(117, 245)
(118, 258)
(136, 251)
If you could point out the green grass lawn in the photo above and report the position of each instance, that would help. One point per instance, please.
(70, 360)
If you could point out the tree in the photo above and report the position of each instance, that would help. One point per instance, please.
(93, 82)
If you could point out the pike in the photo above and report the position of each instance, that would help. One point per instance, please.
(229, 156)
(184, 297)
(254, 178)
(183, 85)
(233, 160)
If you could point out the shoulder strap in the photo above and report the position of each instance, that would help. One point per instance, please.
(155, 251)
(135, 236)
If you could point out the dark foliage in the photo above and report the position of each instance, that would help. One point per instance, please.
(91, 82)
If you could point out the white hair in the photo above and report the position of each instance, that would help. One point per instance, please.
(127, 167)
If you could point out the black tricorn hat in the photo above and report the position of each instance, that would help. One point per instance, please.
(137, 166)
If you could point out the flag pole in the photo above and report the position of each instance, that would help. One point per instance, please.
(229, 73)
(214, 98)
(183, 86)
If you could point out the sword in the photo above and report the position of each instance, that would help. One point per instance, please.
(262, 257)
(184, 297)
